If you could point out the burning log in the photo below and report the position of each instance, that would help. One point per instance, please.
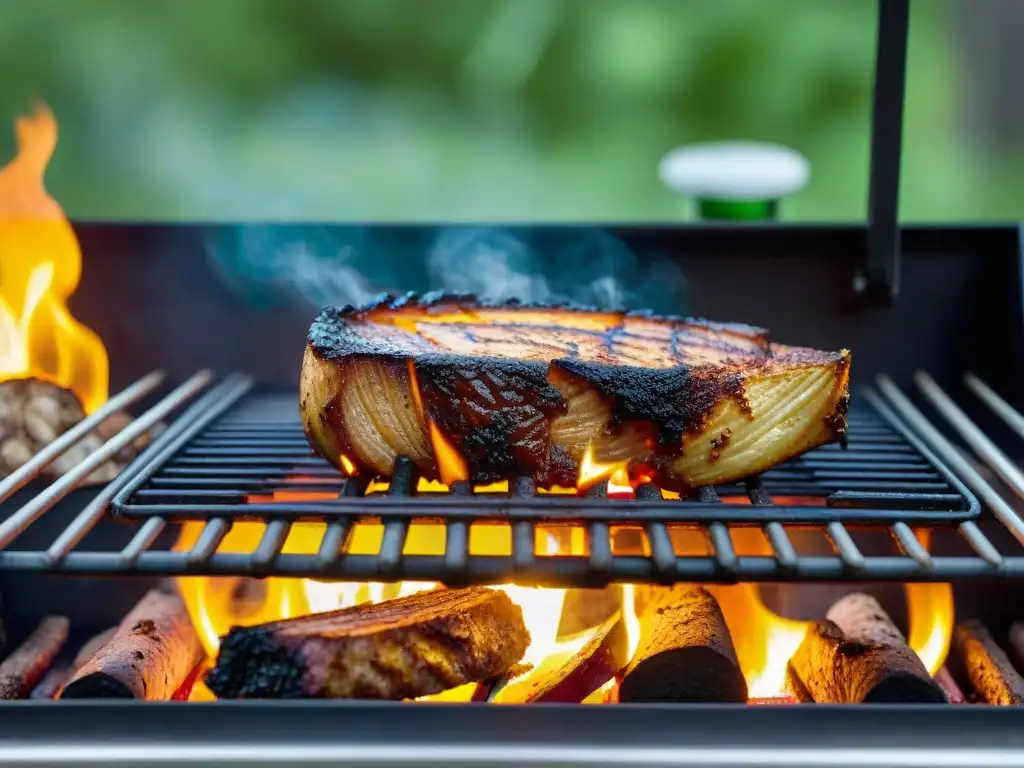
(857, 655)
(685, 653)
(33, 413)
(20, 671)
(150, 655)
(572, 680)
(400, 649)
(90, 646)
(986, 665)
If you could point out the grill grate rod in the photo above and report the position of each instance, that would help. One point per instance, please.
(942, 446)
(40, 461)
(16, 524)
(523, 509)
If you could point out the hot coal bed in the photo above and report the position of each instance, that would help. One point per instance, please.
(835, 538)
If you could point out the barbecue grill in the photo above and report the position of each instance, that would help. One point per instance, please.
(934, 425)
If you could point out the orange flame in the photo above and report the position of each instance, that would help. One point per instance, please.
(764, 640)
(592, 471)
(40, 264)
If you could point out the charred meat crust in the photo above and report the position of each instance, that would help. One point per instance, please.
(497, 410)
(499, 416)
(674, 400)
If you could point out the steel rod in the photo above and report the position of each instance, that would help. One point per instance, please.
(910, 545)
(16, 524)
(848, 551)
(948, 452)
(1002, 409)
(983, 446)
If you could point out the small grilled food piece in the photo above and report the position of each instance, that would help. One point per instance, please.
(515, 390)
(399, 649)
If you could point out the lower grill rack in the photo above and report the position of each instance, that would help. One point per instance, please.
(234, 456)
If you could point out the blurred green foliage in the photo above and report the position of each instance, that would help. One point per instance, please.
(471, 109)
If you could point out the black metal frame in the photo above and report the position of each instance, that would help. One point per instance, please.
(879, 279)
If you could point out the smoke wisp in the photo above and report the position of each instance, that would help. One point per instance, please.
(351, 265)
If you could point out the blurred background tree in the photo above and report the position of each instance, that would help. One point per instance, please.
(341, 110)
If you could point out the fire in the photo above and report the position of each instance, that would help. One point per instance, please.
(40, 264)
(592, 472)
(764, 640)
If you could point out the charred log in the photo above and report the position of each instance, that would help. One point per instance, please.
(23, 669)
(685, 653)
(413, 646)
(149, 657)
(857, 655)
(986, 666)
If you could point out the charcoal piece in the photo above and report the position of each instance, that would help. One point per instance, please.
(857, 655)
(685, 652)
(986, 665)
(26, 666)
(149, 657)
(405, 648)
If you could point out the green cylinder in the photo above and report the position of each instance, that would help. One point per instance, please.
(737, 210)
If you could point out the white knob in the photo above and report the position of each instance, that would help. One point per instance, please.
(735, 171)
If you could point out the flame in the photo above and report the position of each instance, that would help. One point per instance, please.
(764, 640)
(592, 471)
(215, 607)
(40, 264)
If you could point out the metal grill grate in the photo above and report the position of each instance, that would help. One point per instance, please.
(623, 540)
(249, 460)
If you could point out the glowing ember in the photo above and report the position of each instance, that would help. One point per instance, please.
(40, 264)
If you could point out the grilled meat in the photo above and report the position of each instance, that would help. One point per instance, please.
(514, 390)
(413, 646)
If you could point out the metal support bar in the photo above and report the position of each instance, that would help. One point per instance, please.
(879, 279)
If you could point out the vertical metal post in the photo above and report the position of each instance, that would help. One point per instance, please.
(879, 278)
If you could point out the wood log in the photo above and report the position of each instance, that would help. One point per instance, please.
(399, 649)
(34, 412)
(986, 666)
(23, 669)
(685, 652)
(90, 646)
(570, 681)
(585, 609)
(949, 686)
(51, 683)
(149, 657)
(857, 655)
